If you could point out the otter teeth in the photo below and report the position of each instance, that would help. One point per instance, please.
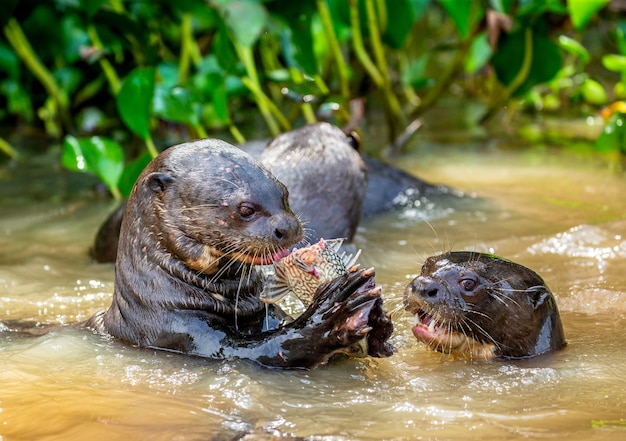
(431, 326)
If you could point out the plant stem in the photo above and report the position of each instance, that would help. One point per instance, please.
(186, 36)
(116, 193)
(333, 42)
(359, 48)
(307, 108)
(6, 148)
(396, 117)
(519, 79)
(25, 51)
(151, 148)
(236, 134)
(267, 105)
(105, 65)
(252, 83)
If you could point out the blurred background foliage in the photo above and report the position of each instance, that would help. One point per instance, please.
(107, 78)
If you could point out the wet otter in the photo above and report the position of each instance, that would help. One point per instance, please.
(200, 216)
(331, 185)
(482, 306)
(325, 175)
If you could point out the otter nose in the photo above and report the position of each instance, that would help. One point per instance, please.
(287, 230)
(427, 288)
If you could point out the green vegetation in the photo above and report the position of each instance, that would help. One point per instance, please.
(99, 74)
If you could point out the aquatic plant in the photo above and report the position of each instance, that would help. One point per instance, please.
(129, 70)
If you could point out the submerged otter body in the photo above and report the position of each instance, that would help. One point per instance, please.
(481, 306)
(200, 217)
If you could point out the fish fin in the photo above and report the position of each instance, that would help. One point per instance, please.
(350, 260)
(274, 291)
(275, 287)
(335, 244)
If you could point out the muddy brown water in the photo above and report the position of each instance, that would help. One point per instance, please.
(560, 212)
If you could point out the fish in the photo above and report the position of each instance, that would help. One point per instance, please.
(302, 271)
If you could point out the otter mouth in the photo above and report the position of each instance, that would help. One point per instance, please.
(441, 337)
(263, 259)
(426, 328)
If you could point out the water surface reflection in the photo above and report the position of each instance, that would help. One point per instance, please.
(559, 213)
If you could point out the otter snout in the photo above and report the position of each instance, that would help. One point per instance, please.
(428, 289)
(287, 230)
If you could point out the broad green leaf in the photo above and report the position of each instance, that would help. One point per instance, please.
(479, 54)
(97, 155)
(175, 104)
(401, 17)
(581, 11)
(415, 75)
(298, 54)
(501, 6)
(246, 19)
(614, 63)
(134, 100)
(9, 62)
(131, 173)
(464, 13)
(574, 47)
(545, 63)
(224, 51)
(168, 74)
(296, 34)
(91, 6)
(18, 99)
(220, 102)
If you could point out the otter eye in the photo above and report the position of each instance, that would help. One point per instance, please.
(468, 284)
(246, 210)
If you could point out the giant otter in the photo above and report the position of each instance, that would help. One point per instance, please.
(325, 175)
(200, 216)
(481, 306)
(331, 185)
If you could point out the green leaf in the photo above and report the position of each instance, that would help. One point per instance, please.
(176, 104)
(96, 155)
(91, 6)
(501, 6)
(168, 74)
(593, 92)
(246, 19)
(613, 135)
(296, 33)
(131, 173)
(415, 75)
(545, 63)
(220, 102)
(581, 11)
(479, 54)
(9, 62)
(464, 13)
(614, 63)
(134, 100)
(574, 47)
(401, 17)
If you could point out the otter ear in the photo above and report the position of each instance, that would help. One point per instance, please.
(158, 182)
(538, 295)
(354, 140)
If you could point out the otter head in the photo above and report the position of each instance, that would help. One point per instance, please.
(208, 204)
(326, 175)
(481, 306)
